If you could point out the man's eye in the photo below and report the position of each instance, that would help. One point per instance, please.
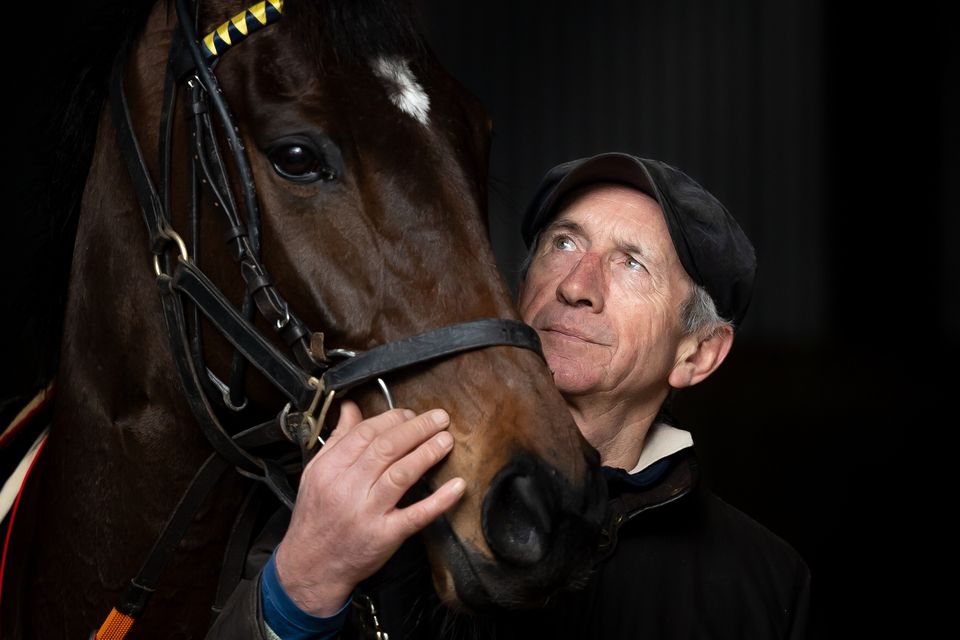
(633, 264)
(563, 243)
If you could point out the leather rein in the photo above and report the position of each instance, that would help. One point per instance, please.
(312, 378)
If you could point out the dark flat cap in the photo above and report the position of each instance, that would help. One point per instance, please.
(712, 247)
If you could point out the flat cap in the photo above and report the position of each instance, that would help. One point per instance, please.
(712, 247)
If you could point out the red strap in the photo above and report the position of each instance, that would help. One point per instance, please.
(13, 513)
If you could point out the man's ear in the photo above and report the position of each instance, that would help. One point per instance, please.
(698, 358)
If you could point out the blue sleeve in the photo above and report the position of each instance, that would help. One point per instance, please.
(286, 619)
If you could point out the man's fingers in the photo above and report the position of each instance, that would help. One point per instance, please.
(357, 436)
(404, 473)
(392, 445)
(418, 515)
(349, 492)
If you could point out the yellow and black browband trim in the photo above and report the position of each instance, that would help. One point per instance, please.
(236, 29)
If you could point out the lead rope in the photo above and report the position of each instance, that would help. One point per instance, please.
(134, 599)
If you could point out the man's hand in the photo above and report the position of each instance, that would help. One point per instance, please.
(345, 523)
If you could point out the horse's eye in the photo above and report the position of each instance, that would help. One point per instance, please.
(299, 163)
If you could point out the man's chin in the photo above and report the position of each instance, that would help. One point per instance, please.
(571, 379)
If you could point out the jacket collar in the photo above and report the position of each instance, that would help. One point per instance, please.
(661, 477)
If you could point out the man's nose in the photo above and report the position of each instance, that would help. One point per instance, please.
(584, 285)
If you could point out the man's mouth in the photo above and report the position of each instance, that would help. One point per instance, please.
(571, 333)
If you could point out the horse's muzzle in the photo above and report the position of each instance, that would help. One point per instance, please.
(520, 513)
(536, 521)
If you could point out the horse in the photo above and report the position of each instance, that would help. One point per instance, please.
(359, 167)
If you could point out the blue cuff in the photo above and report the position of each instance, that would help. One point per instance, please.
(289, 621)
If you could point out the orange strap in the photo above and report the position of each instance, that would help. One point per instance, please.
(115, 627)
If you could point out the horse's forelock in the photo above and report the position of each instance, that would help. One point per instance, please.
(354, 29)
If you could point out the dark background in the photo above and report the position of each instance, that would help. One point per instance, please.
(830, 130)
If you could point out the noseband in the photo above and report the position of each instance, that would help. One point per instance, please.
(313, 377)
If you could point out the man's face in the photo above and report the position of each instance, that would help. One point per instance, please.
(604, 291)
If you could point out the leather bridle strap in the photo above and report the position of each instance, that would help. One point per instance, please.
(235, 554)
(364, 367)
(425, 347)
(235, 143)
(292, 381)
(150, 203)
(200, 406)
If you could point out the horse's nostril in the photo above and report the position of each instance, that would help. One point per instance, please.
(517, 519)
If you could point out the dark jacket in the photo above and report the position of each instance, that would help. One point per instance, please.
(677, 562)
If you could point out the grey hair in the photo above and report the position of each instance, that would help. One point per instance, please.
(698, 314)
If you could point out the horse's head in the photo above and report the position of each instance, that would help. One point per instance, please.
(369, 162)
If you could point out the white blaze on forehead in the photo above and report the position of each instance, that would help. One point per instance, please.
(402, 87)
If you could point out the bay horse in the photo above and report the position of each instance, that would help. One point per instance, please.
(347, 174)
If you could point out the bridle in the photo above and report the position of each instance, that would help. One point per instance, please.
(313, 377)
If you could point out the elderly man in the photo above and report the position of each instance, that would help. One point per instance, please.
(637, 279)
(635, 282)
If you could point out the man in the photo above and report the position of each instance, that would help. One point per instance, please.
(635, 282)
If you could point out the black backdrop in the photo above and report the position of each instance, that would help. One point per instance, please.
(830, 130)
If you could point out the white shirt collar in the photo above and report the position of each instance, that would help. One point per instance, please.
(662, 440)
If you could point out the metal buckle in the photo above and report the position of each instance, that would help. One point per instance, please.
(181, 246)
(225, 390)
